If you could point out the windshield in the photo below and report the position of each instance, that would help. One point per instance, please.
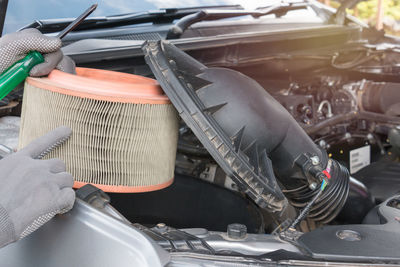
(23, 12)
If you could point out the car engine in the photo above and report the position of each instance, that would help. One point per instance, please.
(353, 119)
(276, 153)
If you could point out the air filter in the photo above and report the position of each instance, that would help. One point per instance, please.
(124, 128)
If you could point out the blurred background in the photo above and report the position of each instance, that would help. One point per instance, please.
(381, 14)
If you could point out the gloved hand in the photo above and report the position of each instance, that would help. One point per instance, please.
(15, 46)
(32, 191)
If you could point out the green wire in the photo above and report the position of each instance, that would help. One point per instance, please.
(323, 185)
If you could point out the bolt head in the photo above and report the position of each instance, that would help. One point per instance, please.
(322, 143)
(313, 186)
(160, 225)
(237, 231)
(315, 160)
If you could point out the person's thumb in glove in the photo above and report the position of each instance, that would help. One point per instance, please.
(33, 191)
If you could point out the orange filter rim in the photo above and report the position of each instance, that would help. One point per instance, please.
(103, 85)
(126, 189)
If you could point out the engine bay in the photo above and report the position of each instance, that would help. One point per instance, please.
(286, 154)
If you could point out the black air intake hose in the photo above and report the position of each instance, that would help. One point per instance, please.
(265, 121)
(381, 97)
(226, 103)
(297, 160)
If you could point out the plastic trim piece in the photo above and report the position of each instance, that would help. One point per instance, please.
(376, 240)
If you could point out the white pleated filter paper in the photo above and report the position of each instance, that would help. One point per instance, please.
(112, 143)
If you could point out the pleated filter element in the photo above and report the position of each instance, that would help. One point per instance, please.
(124, 128)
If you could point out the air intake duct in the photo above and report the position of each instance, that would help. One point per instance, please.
(380, 97)
(231, 113)
(124, 128)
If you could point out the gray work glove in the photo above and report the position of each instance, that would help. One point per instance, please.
(32, 191)
(15, 46)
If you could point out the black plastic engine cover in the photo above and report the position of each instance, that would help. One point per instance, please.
(382, 179)
(377, 240)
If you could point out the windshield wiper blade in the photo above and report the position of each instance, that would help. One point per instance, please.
(207, 15)
(167, 15)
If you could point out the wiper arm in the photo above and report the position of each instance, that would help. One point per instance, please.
(207, 15)
(340, 16)
(167, 15)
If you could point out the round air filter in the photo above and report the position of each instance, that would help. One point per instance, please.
(124, 128)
